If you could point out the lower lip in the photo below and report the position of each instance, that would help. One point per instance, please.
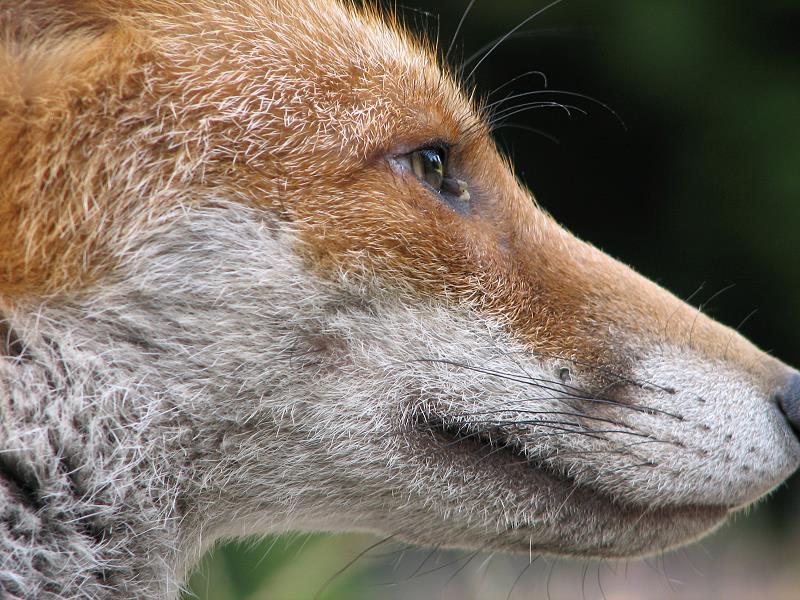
(492, 456)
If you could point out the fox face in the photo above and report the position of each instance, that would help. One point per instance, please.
(291, 228)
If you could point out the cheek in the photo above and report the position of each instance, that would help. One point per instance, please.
(393, 229)
(389, 232)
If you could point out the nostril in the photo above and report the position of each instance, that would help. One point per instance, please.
(788, 398)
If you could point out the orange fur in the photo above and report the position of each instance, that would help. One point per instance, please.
(56, 205)
(115, 112)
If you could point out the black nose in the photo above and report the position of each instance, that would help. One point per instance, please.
(788, 398)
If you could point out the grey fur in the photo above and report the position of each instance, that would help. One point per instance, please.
(148, 418)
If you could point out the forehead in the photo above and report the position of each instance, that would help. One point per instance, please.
(321, 75)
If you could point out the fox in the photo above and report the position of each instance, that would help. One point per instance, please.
(264, 269)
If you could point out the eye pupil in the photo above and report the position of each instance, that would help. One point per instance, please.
(428, 165)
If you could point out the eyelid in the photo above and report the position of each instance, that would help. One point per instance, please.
(442, 144)
(438, 145)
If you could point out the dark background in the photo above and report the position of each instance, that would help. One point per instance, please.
(700, 187)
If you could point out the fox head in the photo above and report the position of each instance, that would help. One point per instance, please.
(290, 223)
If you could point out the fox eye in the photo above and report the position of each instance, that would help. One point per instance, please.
(428, 164)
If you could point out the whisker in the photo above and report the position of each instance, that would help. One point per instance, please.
(350, 564)
(414, 9)
(643, 384)
(559, 431)
(561, 454)
(519, 109)
(640, 383)
(617, 449)
(540, 383)
(561, 93)
(736, 330)
(483, 568)
(503, 375)
(458, 29)
(523, 127)
(519, 577)
(539, 32)
(686, 300)
(600, 582)
(517, 78)
(559, 425)
(703, 305)
(507, 35)
(393, 553)
(430, 555)
(462, 567)
(450, 563)
(583, 580)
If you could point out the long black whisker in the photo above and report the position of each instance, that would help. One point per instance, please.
(559, 432)
(519, 577)
(393, 553)
(461, 437)
(539, 383)
(560, 454)
(350, 564)
(509, 376)
(618, 449)
(462, 567)
(430, 555)
(450, 563)
(643, 383)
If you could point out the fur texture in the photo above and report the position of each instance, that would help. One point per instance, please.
(228, 308)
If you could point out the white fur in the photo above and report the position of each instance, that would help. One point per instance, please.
(218, 388)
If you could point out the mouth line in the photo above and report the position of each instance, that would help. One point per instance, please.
(538, 505)
(493, 447)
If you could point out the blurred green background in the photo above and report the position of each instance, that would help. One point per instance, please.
(700, 187)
